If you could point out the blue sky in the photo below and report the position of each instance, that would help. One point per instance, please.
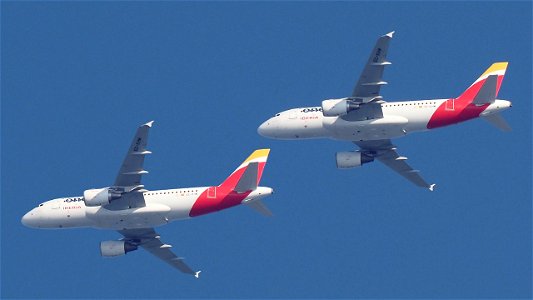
(79, 77)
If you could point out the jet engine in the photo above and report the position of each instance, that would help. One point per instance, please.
(338, 107)
(116, 248)
(352, 159)
(98, 197)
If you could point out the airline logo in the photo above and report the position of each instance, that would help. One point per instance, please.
(224, 196)
(461, 108)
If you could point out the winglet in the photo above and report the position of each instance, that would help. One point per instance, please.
(149, 124)
(197, 274)
(431, 187)
(390, 34)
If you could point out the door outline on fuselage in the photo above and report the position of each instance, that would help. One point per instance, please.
(450, 105)
(293, 114)
(212, 192)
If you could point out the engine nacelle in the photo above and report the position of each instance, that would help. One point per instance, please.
(116, 248)
(352, 159)
(338, 107)
(98, 197)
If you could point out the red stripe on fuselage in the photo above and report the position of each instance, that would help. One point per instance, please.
(463, 109)
(224, 199)
(462, 112)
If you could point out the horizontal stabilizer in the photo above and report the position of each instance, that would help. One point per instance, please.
(498, 121)
(260, 207)
(385, 152)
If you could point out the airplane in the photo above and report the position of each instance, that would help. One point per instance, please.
(134, 211)
(370, 122)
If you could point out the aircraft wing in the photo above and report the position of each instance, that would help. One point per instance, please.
(149, 240)
(371, 80)
(130, 172)
(385, 152)
(367, 88)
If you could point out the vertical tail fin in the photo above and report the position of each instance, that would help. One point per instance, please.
(247, 176)
(485, 89)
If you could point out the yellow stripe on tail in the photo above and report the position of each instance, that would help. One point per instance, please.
(496, 69)
(260, 153)
(259, 157)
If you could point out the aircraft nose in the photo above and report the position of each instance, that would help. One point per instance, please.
(30, 219)
(266, 129)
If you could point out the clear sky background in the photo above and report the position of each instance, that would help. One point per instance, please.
(79, 77)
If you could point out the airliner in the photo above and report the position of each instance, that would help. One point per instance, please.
(370, 122)
(134, 211)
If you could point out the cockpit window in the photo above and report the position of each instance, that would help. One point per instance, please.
(41, 205)
(277, 115)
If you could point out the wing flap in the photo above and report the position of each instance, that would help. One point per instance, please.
(391, 159)
(385, 152)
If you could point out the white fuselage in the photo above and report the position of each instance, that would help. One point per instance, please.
(399, 119)
(161, 207)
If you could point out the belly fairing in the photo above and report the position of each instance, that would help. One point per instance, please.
(140, 217)
(374, 129)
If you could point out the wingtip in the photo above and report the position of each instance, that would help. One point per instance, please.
(149, 124)
(197, 274)
(390, 34)
(432, 187)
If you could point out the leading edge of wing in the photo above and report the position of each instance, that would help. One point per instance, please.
(150, 241)
(385, 152)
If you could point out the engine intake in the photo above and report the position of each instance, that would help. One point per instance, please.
(338, 107)
(98, 197)
(352, 159)
(116, 248)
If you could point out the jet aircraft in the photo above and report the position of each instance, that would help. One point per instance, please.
(133, 211)
(370, 122)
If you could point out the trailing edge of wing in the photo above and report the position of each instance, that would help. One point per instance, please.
(149, 240)
(385, 152)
